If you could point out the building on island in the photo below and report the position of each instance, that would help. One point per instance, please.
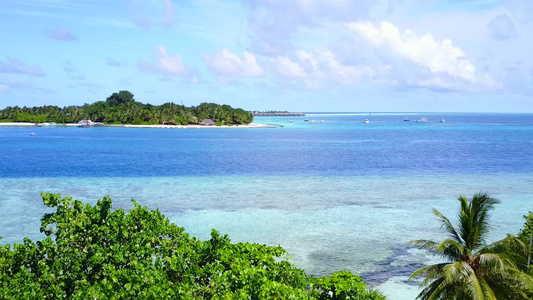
(208, 122)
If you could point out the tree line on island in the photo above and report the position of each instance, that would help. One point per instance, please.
(121, 108)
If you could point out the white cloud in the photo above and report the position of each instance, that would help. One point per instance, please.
(8, 85)
(166, 64)
(15, 66)
(502, 28)
(320, 67)
(225, 63)
(345, 74)
(288, 68)
(61, 34)
(440, 57)
(147, 14)
(275, 22)
(73, 73)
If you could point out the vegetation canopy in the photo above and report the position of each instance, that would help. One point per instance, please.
(473, 269)
(92, 252)
(121, 108)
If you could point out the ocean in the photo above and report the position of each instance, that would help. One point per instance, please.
(340, 194)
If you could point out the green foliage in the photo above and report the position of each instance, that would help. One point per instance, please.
(120, 98)
(527, 231)
(342, 285)
(473, 269)
(137, 121)
(218, 123)
(121, 108)
(92, 252)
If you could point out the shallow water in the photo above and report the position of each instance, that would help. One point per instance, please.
(336, 195)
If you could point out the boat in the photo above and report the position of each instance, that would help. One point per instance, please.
(85, 123)
(406, 119)
(442, 121)
(366, 121)
(312, 122)
(321, 121)
(32, 133)
(290, 121)
(423, 120)
(89, 123)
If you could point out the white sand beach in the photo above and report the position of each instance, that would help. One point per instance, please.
(17, 124)
(251, 125)
(26, 124)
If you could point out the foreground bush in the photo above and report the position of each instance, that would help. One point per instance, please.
(92, 252)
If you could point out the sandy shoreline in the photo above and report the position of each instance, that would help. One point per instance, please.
(251, 125)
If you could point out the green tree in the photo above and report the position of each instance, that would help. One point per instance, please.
(121, 108)
(473, 269)
(526, 234)
(120, 98)
(92, 252)
(527, 231)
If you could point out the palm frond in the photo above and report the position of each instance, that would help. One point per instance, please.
(473, 220)
(471, 284)
(488, 293)
(522, 279)
(439, 289)
(448, 248)
(424, 245)
(428, 271)
(514, 285)
(465, 223)
(481, 205)
(445, 222)
(492, 263)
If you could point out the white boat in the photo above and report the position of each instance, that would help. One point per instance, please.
(290, 121)
(312, 121)
(321, 121)
(32, 133)
(406, 119)
(86, 123)
(366, 121)
(442, 121)
(423, 120)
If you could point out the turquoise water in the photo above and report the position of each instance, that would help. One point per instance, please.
(336, 195)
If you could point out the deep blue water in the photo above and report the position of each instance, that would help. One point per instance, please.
(343, 145)
(336, 195)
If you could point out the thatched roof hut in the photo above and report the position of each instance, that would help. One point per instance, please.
(208, 122)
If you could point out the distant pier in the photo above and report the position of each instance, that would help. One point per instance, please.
(277, 114)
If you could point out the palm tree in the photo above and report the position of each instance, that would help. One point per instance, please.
(472, 269)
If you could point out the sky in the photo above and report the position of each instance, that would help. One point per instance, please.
(290, 55)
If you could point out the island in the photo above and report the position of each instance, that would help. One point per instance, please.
(121, 109)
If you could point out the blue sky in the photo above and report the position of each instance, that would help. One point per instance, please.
(297, 55)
